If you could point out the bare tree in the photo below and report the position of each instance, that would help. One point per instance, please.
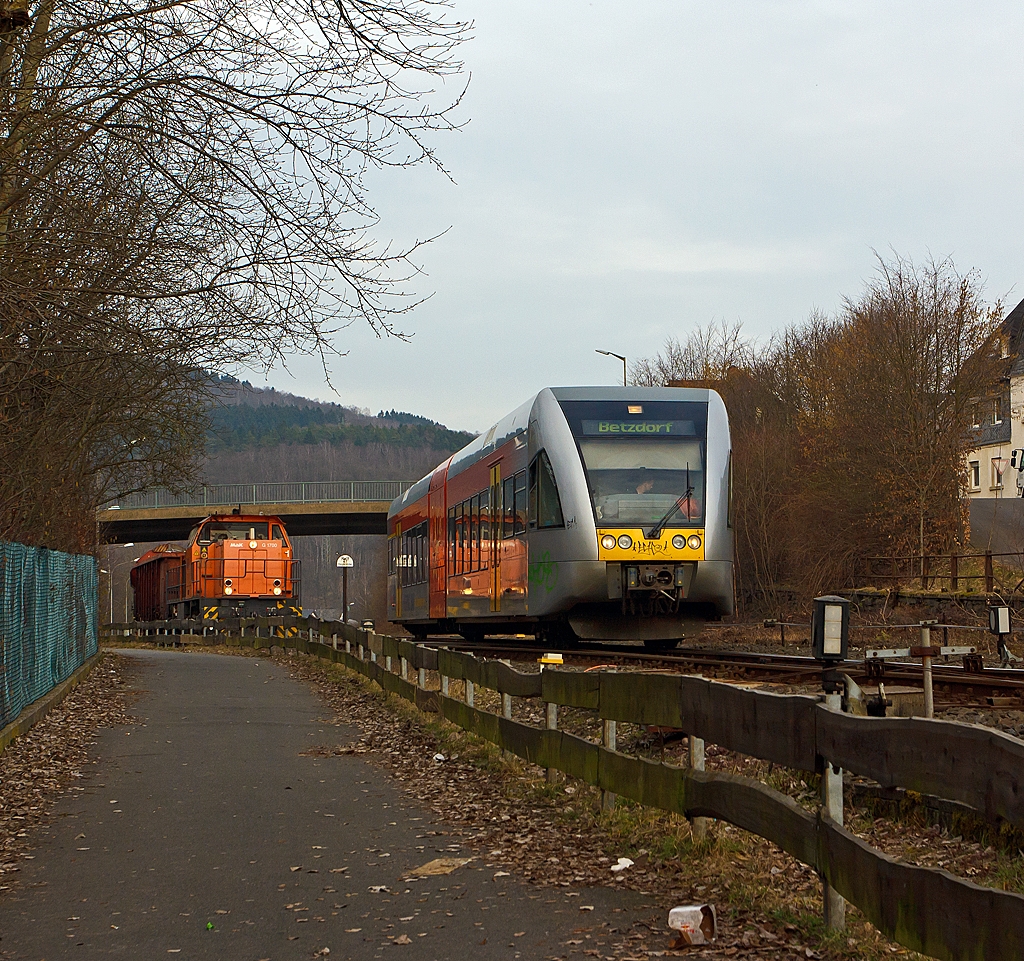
(849, 432)
(182, 187)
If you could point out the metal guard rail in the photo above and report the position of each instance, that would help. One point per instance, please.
(233, 495)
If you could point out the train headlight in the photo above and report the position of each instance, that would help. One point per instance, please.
(252, 545)
(608, 541)
(229, 590)
(693, 542)
(277, 582)
(679, 542)
(277, 590)
(227, 582)
(625, 541)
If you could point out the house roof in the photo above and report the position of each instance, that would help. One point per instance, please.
(1013, 325)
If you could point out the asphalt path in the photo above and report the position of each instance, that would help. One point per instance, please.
(221, 825)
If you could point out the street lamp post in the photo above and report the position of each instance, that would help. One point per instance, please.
(609, 353)
(344, 563)
(110, 580)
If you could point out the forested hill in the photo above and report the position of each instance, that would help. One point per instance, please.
(239, 427)
(260, 435)
(247, 417)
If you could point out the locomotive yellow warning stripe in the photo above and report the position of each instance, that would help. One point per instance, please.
(210, 613)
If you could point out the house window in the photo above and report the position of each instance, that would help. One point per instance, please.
(974, 474)
(997, 471)
(976, 416)
(997, 411)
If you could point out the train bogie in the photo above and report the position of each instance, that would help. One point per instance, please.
(603, 512)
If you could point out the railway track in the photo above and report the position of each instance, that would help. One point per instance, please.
(781, 668)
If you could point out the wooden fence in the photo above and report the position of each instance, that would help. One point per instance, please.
(950, 572)
(926, 909)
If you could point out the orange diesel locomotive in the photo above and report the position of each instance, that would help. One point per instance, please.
(235, 565)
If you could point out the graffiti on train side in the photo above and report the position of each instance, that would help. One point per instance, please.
(544, 573)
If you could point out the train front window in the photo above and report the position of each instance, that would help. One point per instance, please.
(642, 467)
(234, 531)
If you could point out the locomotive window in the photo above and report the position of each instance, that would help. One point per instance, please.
(277, 534)
(545, 507)
(241, 530)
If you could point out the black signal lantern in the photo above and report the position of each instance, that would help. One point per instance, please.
(830, 628)
(999, 620)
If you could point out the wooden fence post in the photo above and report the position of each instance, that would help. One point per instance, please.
(469, 693)
(421, 678)
(832, 803)
(954, 573)
(608, 740)
(698, 826)
(551, 724)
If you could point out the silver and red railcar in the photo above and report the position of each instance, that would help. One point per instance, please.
(593, 512)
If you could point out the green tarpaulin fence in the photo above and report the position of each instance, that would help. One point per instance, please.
(48, 622)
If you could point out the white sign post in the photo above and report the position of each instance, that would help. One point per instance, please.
(344, 563)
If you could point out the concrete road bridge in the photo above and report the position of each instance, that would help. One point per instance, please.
(307, 507)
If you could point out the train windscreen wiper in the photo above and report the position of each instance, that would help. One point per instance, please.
(655, 532)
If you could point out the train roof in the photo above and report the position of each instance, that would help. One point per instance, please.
(517, 422)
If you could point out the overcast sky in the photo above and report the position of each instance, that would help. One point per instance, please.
(629, 171)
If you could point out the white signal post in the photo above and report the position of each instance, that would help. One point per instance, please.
(344, 563)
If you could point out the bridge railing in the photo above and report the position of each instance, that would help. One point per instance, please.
(292, 492)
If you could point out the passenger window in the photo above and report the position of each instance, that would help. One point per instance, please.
(485, 528)
(520, 503)
(545, 507)
(508, 496)
(474, 533)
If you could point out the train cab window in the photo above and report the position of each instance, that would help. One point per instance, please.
(643, 469)
(241, 530)
(545, 507)
(276, 534)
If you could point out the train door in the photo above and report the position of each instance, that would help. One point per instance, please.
(494, 584)
(437, 533)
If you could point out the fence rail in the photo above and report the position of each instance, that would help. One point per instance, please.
(926, 909)
(297, 492)
(935, 571)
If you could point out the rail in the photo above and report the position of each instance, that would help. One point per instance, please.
(234, 495)
(925, 909)
(933, 570)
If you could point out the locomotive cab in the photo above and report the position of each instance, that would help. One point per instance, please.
(238, 565)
